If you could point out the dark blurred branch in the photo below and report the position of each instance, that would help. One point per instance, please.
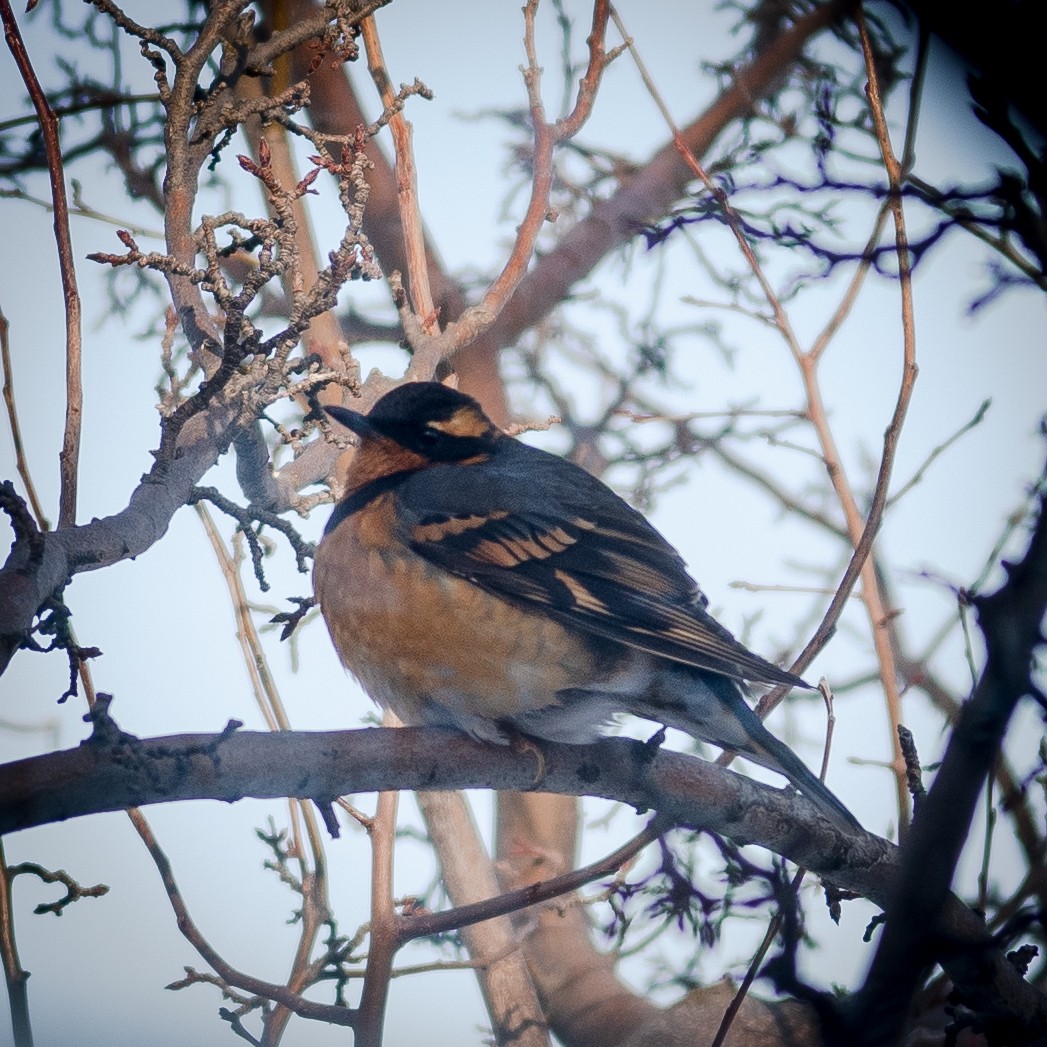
(86, 100)
(1011, 620)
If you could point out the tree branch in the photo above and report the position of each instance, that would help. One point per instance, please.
(517, 1018)
(69, 457)
(655, 188)
(1011, 620)
(113, 771)
(34, 572)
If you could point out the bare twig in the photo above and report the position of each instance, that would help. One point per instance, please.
(382, 833)
(861, 531)
(281, 994)
(774, 926)
(323, 333)
(21, 462)
(313, 878)
(871, 593)
(406, 180)
(15, 975)
(69, 456)
(939, 450)
(775, 923)
(73, 891)
(479, 318)
(420, 925)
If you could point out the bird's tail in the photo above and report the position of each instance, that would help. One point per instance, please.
(712, 707)
(774, 754)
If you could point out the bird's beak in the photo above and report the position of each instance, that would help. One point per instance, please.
(359, 423)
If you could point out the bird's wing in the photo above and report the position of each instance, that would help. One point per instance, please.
(553, 542)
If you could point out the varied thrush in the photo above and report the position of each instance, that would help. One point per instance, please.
(471, 581)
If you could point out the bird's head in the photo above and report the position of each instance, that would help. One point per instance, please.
(416, 425)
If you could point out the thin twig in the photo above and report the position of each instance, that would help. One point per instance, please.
(850, 295)
(775, 924)
(773, 927)
(313, 879)
(422, 925)
(479, 318)
(334, 1015)
(323, 334)
(21, 462)
(406, 181)
(861, 531)
(871, 591)
(69, 457)
(14, 974)
(382, 950)
(939, 450)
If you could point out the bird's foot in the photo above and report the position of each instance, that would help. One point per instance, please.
(521, 743)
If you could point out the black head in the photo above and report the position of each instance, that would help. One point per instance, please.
(430, 419)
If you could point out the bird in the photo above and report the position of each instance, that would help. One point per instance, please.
(470, 580)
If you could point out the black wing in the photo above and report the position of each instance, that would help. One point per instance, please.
(550, 537)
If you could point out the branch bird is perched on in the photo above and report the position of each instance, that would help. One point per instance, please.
(471, 581)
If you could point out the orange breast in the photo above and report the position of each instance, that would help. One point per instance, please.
(432, 647)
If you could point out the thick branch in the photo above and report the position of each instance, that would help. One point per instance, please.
(581, 994)
(509, 995)
(113, 771)
(32, 575)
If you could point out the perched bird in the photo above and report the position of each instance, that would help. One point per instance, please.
(472, 581)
